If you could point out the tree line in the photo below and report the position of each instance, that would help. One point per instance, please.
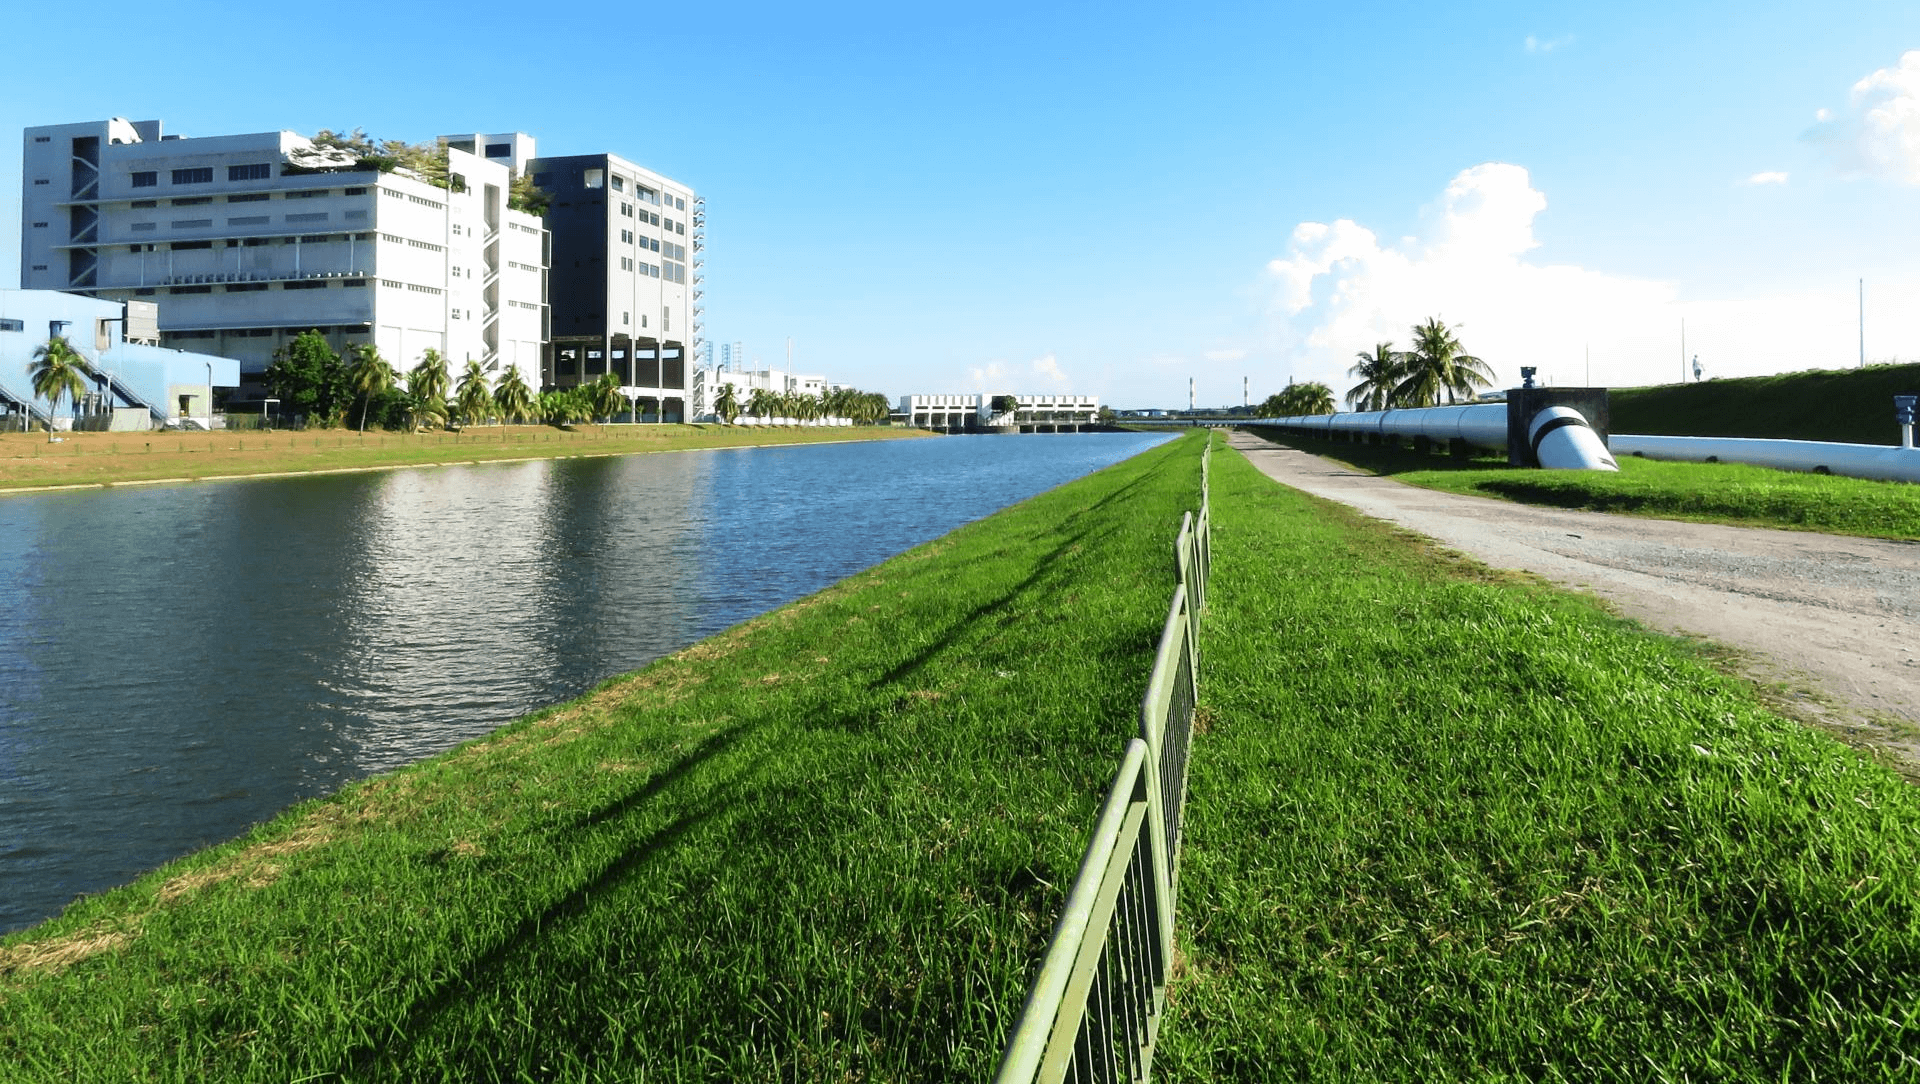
(859, 407)
(1437, 366)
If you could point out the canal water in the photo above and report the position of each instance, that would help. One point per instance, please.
(178, 663)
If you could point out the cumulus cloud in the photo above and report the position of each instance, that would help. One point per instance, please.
(1339, 289)
(1878, 133)
(998, 377)
(1547, 45)
(1767, 177)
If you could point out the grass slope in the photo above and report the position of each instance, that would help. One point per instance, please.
(828, 844)
(27, 459)
(1442, 828)
(1709, 492)
(1853, 406)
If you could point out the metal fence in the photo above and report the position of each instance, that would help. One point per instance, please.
(1094, 1010)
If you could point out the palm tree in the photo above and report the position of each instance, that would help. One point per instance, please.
(474, 400)
(727, 406)
(58, 371)
(1438, 364)
(1379, 372)
(761, 404)
(602, 398)
(513, 398)
(368, 375)
(428, 383)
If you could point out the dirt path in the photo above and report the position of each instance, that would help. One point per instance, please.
(1809, 611)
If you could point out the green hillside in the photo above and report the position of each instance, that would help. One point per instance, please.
(1852, 405)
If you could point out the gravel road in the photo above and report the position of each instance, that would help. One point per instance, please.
(1834, 614)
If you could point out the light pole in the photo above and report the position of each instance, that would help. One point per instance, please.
(209, 396)
(264, 403)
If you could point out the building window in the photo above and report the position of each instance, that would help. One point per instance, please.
(42, 139)
(316, 284)
(354, 192)
(192, 201)
(499, 150)
(593, 178)
(194, 175)
(12, 325)
(191, 224)
(246, 287)
(254, 171)
(39, 225)
(140, 204)
(146, 178)
(653, 220)
(145, 291)
(310, 193)
(623, 319)
(39, 267)
(190, 290)
(249, 220)
(39, 180)
(314, 216)
(626, 263)
(680, 228)
(653, 244)
(140, 227)
(185, 246)
(619, 184)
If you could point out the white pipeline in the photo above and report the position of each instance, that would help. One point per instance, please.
(1561, 437)
(1885, 462)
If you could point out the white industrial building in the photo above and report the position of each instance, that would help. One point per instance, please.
(1044, 413)
(132, 384)
(249, 240)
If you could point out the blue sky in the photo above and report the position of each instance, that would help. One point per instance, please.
(1113, 198)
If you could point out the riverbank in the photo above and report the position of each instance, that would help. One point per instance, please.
(1445, 824)
(826, 844)
(29, 462)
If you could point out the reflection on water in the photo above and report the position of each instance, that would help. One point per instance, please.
(178, 663)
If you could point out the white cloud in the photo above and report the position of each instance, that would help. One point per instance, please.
(1339, 290)
(1878, 133)
(1547, 45)
(1048, 369)
(1767, 177)
(1225, 355)
(999, 377)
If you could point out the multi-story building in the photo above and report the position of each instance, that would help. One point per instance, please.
(625, 280)
(249, 240)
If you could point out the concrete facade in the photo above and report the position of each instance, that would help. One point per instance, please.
(246, 241)
(161, 385)
(625, 280)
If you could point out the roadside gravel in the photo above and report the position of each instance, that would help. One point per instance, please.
(1828, 625)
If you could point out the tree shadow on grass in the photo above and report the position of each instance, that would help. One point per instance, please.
(486, 967)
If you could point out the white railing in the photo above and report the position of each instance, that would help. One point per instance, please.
(1094, 1010)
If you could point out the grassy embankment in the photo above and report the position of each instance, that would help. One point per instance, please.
(828, 844)
(1444, 827)
(1707, 492)
(1853, 406)
(29, 460)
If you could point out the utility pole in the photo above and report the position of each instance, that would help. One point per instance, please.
(1244, 401)
(1189, 395)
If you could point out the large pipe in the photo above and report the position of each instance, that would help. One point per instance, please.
(1882, 461)
(1560, 436)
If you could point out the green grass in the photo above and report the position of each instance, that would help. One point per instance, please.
(1853, 406)
(1710, 492)
(1446, 828)
(829, 844)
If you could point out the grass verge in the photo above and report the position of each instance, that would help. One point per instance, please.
(828, 844)
(1446, 827)
(28, 460)
(1731, 493)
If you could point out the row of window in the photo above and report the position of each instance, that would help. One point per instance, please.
(307, 219)
(7, 324)
(252, 171)
(243, 197)
(254, 287)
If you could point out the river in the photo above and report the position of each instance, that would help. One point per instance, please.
(178, 663)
